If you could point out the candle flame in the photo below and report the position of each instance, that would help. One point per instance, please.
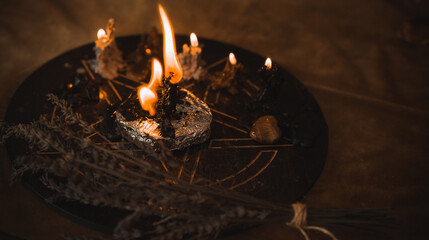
(232, 59)
(194, 40)
(101, 33)
(147, 94)
(268, 63)
(171, 63)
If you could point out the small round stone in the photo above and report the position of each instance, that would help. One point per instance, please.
(265, 130)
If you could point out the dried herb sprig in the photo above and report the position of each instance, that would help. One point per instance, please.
(80, 169)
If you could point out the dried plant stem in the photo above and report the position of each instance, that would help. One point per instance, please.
(102, 174)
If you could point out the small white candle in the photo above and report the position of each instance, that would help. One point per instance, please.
(108, 59)
(190, 58)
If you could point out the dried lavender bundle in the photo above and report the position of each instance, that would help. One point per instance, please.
(100, 174)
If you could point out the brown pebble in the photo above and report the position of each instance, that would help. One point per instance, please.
(265, 130)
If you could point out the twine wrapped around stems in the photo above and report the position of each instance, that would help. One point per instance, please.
(299, 221)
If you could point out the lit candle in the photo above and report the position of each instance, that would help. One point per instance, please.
(190, 59)
(230, 76)
(268, 70)
(108, 59)
(271, 80)
(231, 67)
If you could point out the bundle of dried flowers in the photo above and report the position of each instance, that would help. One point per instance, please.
(103, 174)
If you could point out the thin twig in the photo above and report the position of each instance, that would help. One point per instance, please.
(216, 63)
(85, 65)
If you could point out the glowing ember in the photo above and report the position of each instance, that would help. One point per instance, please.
(147, 94)
(194, 40)
(268, 63)
(232, 59)
(101, 94)
(171, 63)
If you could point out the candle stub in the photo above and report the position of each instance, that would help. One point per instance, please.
(271, 80)
(190, 59)
(108, 59)
(230, 77)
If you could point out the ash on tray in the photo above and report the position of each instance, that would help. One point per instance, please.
(191, 123)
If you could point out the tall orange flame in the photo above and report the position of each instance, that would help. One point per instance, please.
(147, 94)
(171, 62)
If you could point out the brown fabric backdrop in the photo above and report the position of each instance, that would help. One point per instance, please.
(365, 61)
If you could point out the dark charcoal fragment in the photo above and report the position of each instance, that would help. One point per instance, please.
(170, 96)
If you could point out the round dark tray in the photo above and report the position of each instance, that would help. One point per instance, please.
(283, 172)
